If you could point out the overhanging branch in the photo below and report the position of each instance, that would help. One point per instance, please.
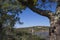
(45, 13)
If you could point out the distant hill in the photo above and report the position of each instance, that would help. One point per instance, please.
(41, 31)
(35, 28)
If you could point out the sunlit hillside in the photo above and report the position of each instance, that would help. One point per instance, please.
(40, 31)
(29, 33)
(35, 28)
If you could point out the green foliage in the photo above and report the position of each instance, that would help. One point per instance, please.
(19, 34)
(25, 35)
(9, 12)
(35, 1)
(9, 15)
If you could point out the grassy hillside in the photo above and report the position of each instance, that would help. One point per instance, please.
(35, 28)
(23, 33)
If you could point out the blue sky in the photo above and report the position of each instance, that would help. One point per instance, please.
(31, 18)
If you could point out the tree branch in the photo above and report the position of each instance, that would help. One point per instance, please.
(45, 13)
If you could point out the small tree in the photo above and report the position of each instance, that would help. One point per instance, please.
(9, 14)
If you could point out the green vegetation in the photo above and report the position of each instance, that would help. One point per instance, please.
(19, 34)
(35, 28)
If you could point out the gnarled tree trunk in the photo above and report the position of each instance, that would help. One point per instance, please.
(55, 26)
